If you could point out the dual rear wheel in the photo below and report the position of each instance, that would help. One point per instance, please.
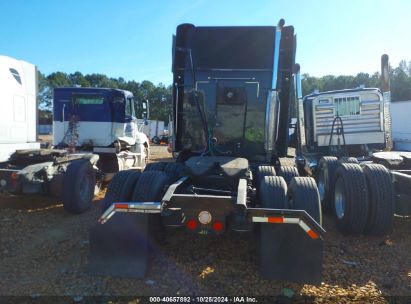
(361, 197)
(289, 191)
(300, 194)
(146, 186)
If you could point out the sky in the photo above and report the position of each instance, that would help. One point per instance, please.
(132, 38)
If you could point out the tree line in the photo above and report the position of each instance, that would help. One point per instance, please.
(159, 95)
(400, 78)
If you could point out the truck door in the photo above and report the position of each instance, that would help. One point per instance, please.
(130, 118)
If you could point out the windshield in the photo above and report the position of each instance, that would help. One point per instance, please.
(88, 100)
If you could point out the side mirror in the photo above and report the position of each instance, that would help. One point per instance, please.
(144, 104)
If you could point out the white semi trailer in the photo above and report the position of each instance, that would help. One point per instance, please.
(18, 104)
(401, 125)
(153, 128)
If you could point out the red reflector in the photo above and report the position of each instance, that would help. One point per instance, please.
(312, 234)
(14, 175)
(191, 224)
(218, 226)
(121, 206)
(276, 220)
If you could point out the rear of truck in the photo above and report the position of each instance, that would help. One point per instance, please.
(231, 96)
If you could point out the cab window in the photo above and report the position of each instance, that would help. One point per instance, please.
(130, 107)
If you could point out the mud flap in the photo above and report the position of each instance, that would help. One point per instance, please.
(288, 253)
(120, 247)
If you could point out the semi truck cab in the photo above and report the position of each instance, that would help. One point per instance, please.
(18, 104)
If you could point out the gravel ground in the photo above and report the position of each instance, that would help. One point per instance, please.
(44, 251)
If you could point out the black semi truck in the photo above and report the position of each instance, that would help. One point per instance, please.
(232, 91)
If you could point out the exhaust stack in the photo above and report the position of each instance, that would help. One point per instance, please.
(386, 93)
(273, 103)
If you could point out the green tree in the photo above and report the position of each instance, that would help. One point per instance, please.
(309, 84)
(59, 79)
(44, 97)
(101, 81)
(77, 79)
(400, 84)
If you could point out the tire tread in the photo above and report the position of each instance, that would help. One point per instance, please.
(304, 194)
(288, 173)
(381, 199)
(356, 198)
(273, 192)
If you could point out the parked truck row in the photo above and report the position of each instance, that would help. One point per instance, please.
(233, 93)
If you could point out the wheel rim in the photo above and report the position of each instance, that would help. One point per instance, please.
(321, 185)
(339, 198)
(97, 187)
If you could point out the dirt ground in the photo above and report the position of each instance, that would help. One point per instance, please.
(44, 250)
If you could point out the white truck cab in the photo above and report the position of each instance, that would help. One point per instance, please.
(18, 104)
(101, 120)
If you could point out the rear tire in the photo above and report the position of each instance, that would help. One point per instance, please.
(156, 140)
(381, 200)
(158, 166)
(348, 160)
(114, 188)
(174, 171)
(263, 171)
(288, 173)
(303, 195)
(150, 188)
(79, 183)
(324, 178)
(273, 192)
(127, 189)
(350, 199)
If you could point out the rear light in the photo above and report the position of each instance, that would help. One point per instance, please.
(14, 175)
(218, 226)
(204, 217)
(121, 206)
(191, 224)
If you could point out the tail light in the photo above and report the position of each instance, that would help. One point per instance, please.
(218, 226)
(192, 224)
